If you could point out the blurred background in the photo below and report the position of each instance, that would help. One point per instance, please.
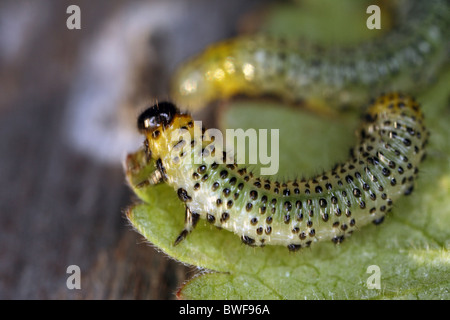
(68, 104)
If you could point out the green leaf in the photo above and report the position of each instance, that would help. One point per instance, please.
(327, 22)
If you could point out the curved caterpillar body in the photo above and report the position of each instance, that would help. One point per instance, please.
(295, 213)
(404, 59)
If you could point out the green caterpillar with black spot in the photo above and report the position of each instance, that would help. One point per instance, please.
(295, 214)
(405, 59)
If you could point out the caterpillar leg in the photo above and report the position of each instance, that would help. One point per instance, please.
(190, 221)
(154, 178)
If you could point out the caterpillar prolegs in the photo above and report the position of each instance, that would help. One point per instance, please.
(404, 59)
(295, 213)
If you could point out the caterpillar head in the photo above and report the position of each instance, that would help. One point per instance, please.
(160, 124)
(156, 117)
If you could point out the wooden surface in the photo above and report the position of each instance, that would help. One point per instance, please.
(59, 207)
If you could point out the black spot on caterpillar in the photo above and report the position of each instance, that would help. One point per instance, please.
(404, 59)
(330, 206)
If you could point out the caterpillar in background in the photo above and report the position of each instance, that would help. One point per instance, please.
(404, 59)
(295, 213)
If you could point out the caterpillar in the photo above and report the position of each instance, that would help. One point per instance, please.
(404, 59)
(295, 213)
